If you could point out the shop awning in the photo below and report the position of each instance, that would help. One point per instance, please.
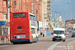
(2, 22)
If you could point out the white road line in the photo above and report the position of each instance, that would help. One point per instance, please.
(69, 44)
(53, 46)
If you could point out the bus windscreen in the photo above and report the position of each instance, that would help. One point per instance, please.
(19, 15)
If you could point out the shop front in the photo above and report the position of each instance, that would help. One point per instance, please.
(3, 27)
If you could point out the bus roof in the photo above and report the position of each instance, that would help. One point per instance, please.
(62, 29)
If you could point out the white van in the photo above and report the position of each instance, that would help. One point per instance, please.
(59, 34)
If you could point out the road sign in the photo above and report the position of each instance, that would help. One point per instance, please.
(8, 24)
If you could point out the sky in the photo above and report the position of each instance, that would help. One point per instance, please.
(63, 8)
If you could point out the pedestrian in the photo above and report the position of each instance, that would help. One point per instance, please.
(7, 37)
(2, 38)
(41, 33)
(38, 33)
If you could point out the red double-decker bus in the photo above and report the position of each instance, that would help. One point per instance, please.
(23, 27)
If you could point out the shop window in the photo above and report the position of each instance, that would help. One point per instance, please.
(5, 16)
(5, 2)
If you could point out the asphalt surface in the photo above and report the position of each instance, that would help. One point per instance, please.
(44, 43)
(65, 45)
(72, 45)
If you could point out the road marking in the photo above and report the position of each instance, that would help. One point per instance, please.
(53, 46)
(4, 45)
(69, 44)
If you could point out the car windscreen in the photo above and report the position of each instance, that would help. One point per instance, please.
(58, 32)
(73, 33)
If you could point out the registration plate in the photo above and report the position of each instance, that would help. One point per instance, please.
(20, 36)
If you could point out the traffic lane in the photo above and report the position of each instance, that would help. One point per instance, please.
(52, 46)
(64, 45)
(68, 36)
(72, 45)
(42, 44)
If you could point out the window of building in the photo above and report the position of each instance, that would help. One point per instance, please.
(5, 16)
(5, 2)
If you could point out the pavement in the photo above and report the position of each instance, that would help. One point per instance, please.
(1, 43)
(4, 42)
(72, 45)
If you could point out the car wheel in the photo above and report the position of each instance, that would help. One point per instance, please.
(53, 39)
(63, 40)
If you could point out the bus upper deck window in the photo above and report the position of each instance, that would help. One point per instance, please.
(19, 27)
(19, 15)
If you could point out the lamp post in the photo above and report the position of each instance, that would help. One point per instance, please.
(2, 29)
(8, 18)
(55, 18)
(44, 21)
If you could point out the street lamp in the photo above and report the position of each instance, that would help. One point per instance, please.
(8, 17)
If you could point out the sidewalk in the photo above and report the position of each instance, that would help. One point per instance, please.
(72, 46)
(1, 43)
(10, 42)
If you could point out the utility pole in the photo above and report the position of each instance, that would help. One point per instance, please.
(55, 19)
(8, 18)
(44, 21)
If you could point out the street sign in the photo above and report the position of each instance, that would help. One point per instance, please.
(8, 24)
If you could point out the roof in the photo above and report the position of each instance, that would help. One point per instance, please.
(70, 20)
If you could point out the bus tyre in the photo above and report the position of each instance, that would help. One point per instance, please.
(15, 43)
(31, 40)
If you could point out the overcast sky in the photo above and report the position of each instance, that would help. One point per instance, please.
(64, 8)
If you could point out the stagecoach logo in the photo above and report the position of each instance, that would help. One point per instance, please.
(19, 30)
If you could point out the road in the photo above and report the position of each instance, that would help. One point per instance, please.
(44, 43)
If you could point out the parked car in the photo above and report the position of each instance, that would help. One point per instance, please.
(73, 34)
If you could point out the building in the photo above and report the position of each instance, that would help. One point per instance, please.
(70, 24)
(46, 14)
(31, 6)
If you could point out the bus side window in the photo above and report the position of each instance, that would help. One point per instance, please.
(33, 30)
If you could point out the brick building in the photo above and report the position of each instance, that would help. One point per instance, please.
(32, 6)
(70, 24)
